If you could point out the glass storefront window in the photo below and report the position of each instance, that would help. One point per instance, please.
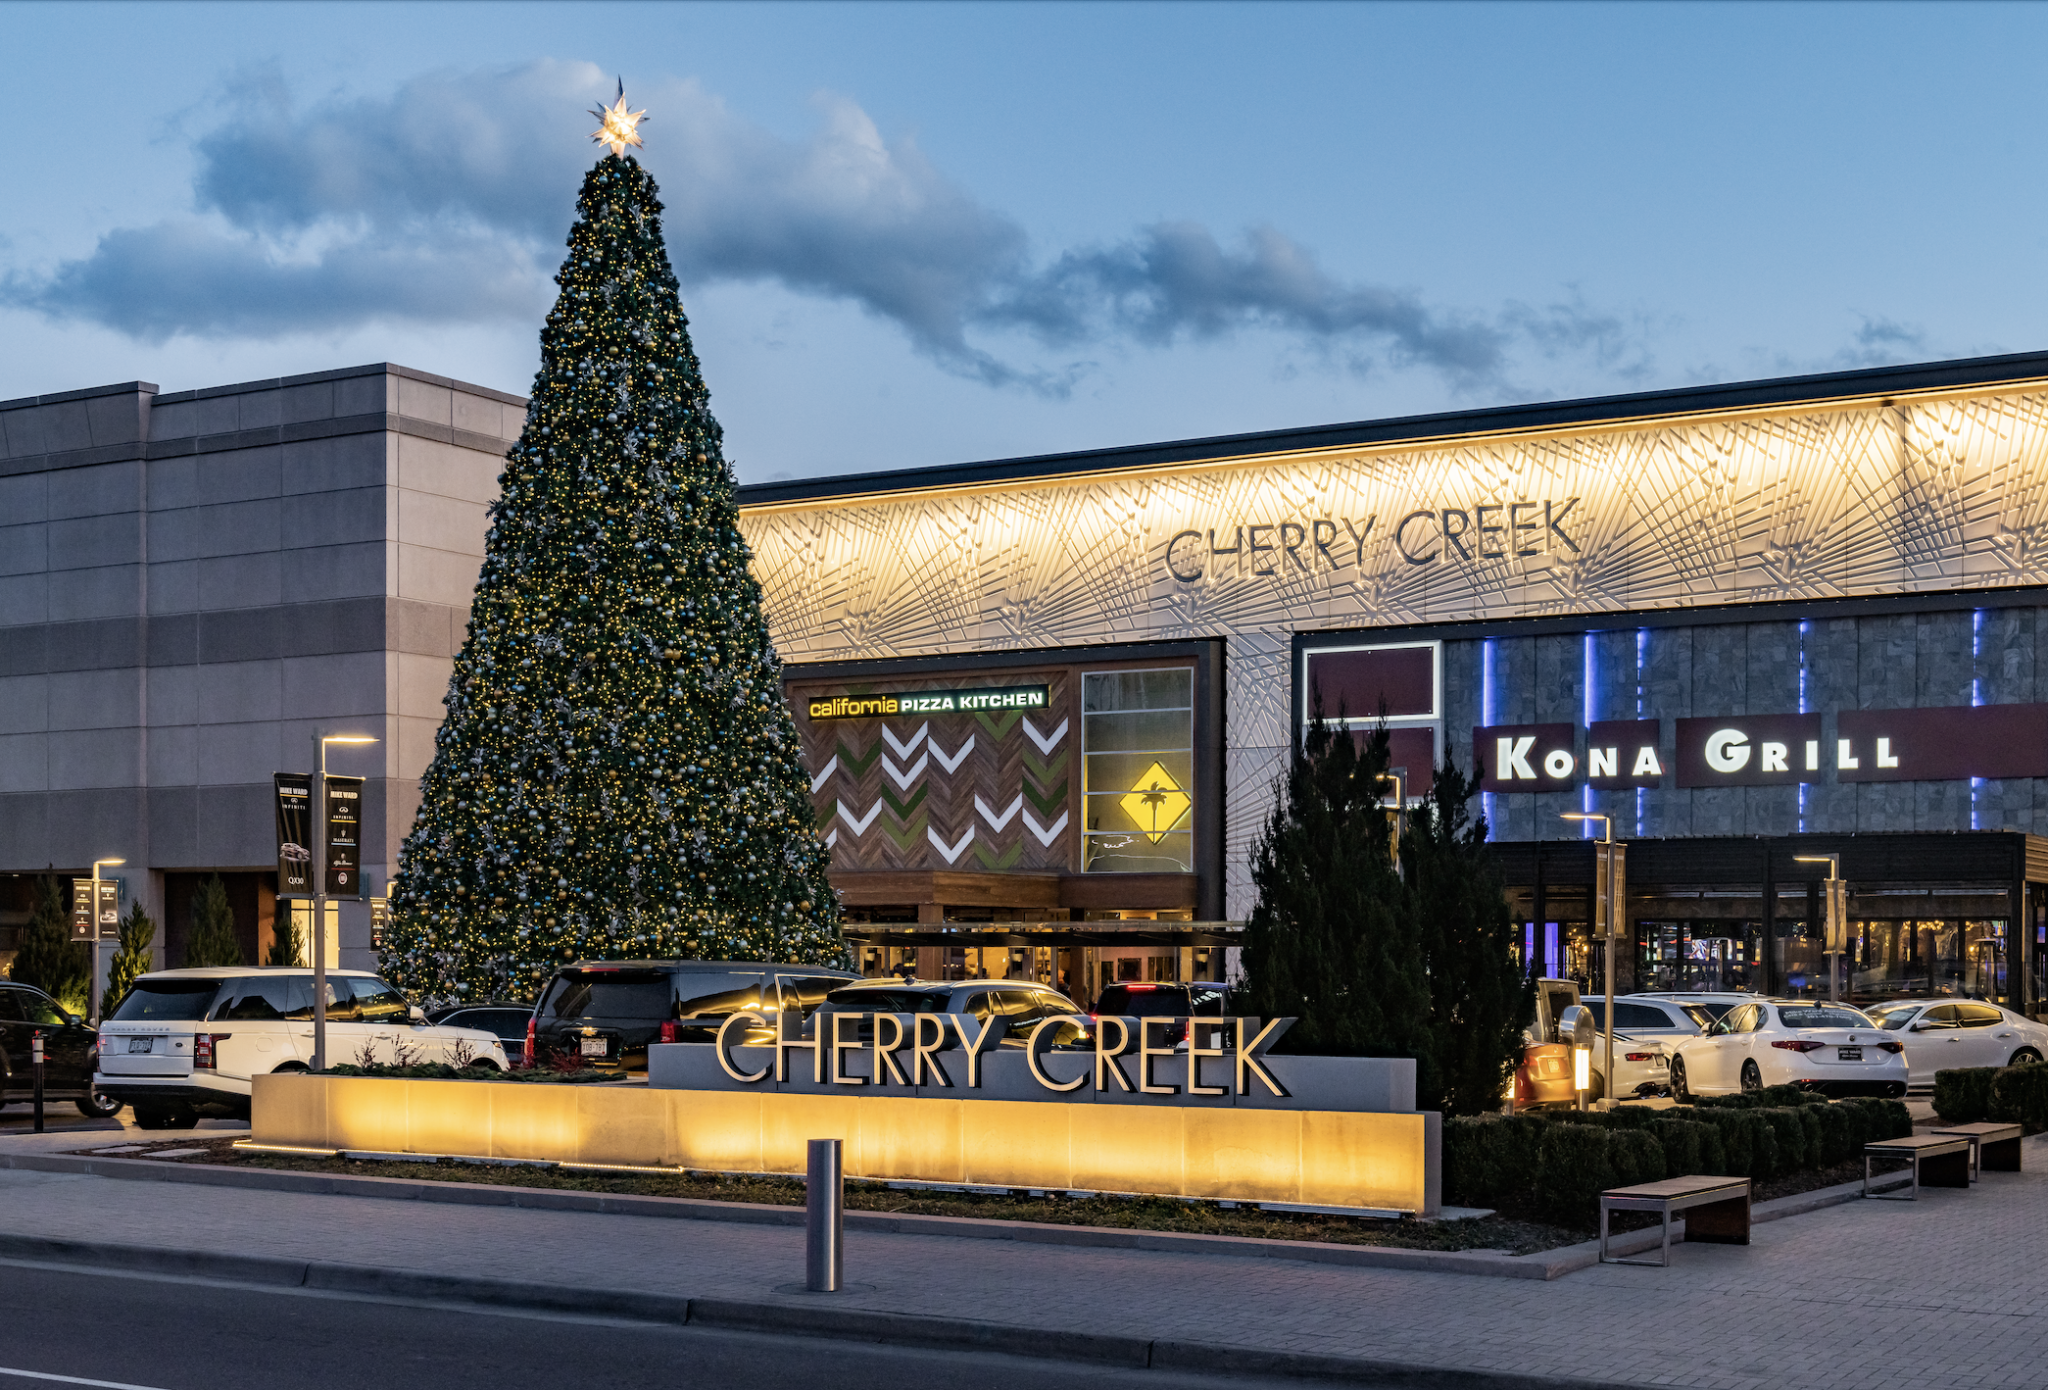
(1138, 770)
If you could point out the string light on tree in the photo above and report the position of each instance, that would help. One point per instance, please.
(617, 775)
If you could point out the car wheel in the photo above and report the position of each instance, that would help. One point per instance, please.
(1752, 1078)
(1680, 1093)
(2025, 1057)
(95, 1106)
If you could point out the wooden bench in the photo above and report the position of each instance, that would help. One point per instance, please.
(1937, 1160)
(1994, 1146)
(1716, 1210)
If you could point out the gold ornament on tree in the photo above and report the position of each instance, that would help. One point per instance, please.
(620, 127)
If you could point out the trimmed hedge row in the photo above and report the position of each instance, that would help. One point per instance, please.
(2009, 1095)
(1555, 1165)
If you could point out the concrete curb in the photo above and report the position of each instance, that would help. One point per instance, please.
(805, 1318)
(1547, 1264)
(1543, 1264)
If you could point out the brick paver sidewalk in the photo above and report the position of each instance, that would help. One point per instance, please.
(1859, 1295)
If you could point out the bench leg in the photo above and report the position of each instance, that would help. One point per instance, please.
(1667, 1235)
(1603, 1231)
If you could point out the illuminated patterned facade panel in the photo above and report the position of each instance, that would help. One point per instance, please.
(1904, 494)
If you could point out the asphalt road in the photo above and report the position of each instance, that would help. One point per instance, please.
(144, 1333)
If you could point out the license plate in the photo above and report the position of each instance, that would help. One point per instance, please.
(139, 1044)
(1851, 1054)
(594, 1047)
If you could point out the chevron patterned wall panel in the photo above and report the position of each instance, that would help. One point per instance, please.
(987, 790)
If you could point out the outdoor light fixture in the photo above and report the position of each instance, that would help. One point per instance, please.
(1835, 932)
(1400, 805)
(94, 994)
(316, 934)
(1610, 858)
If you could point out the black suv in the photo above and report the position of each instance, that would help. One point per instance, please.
(605, 1013)
(68, 1052)
(1194, 999)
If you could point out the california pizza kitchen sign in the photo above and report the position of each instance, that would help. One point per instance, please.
(947, 1050)
(1763, 750)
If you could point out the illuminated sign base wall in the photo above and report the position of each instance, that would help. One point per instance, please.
(1370, 1160)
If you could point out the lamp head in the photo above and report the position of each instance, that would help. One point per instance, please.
(347, 738)
(109, 862)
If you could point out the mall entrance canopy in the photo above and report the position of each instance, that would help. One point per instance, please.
(1959, 913)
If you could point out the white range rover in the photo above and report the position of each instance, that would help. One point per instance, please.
(185, 1039)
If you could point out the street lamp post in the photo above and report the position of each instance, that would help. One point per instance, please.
(1837, 924)
(316, 935)
(1400, 808)
(94, 994)
(1613, 911)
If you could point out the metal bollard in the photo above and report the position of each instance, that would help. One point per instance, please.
(36, 1059)
(824, 1217)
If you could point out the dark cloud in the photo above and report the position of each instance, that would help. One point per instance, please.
(1883, 342)
(444, 201)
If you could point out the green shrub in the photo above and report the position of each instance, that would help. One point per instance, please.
(1690, 1146)
(1962, 1095)
(1836, 1130)
(1738, 1129)
(1789, 1152)
(1636, 1156)
(1574, 1165)
(2019, 1095)
(1490, 1160)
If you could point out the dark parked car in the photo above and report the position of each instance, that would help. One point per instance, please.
(507, 1018)
(1026, 1004)
(605, 1013)
(68, 1043)
(1194, 999)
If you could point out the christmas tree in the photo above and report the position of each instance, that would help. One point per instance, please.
(1480, 1001)
(1331, 938)
(618, 775)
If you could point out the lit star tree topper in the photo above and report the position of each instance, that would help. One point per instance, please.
(618, 775)
(618, 127)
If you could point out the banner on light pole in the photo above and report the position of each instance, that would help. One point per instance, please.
(344, 852)
(294, 834)
(110, 910)
(81, 909)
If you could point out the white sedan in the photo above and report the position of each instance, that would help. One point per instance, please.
(1940, 1034)
(1830, 1048)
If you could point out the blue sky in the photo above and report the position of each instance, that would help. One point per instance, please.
(930, 233)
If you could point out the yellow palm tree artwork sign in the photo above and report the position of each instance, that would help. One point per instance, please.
(1157, 804)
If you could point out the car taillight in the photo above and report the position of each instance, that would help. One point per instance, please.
(1892, 1046)
(530, 1042)
(668, 1030)
(1798, 1044)
(1641, 1056)
(202, 1050)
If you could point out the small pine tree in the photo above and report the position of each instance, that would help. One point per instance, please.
(1480, 1001)
(285, 939)
(618, 773)
(131, 961)
(48, 958)
(1330, 939)
(212, 941)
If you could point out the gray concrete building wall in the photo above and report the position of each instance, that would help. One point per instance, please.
(192, 584)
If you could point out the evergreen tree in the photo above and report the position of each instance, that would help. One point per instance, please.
(1330, 939)
(618, 774)
(1480, 1001)
(284, 939)
(212, 940)
(48, 958)
(131, 961)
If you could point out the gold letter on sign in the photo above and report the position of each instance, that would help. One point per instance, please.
(1034, 1057)
(923, 1048)
(1196, 1052)
(888, 1038)
(1105, 1057)
(842, 1045)
(725, 1055)
(1146, 1052)
(991, 1032)
(785, 1044)
(1248, 1054)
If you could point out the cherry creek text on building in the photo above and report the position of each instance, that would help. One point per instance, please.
(1421, 537)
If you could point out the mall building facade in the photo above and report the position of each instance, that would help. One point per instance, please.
(1753, 625)
(1045, 702)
